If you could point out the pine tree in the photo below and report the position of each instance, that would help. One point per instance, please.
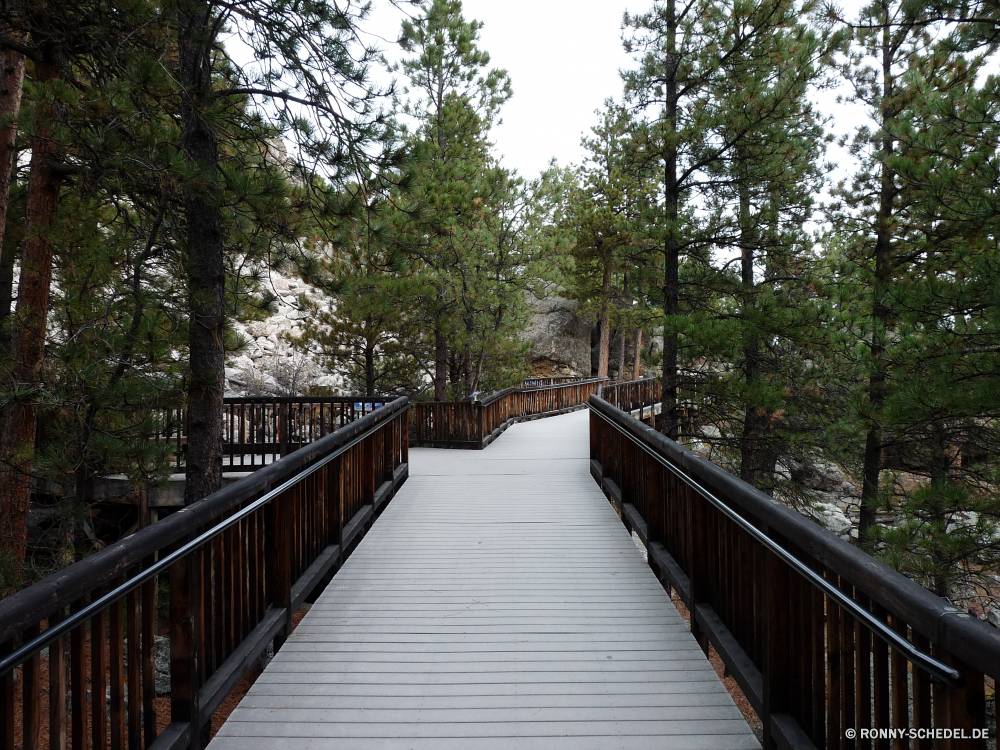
(687, 52)
(757, 325)
(942, 345)
(455, 100)
(604, 216)
(63, 44)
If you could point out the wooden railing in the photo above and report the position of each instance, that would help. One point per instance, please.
(634, 395)
(236, 565)
(536, 382)
(475, 424)
(258, 430)
(821, 637)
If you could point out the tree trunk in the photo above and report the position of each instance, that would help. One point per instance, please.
(454, 368)
(940, 466)
(604, 324)
(621, 354)
(637, 364)
(872, 457)
(17, 440)
(467, 369)
(204, 254)
(11, 86)
(671, 246)
(470, 375)
(756, 459)
(440, 362)
(370, 371)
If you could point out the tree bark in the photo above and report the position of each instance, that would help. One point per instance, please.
(756, 457)
(204, 253)
(621, 354)
(604, 324)
(370, 369)
(941, 462)
(11, 86)
(440, 362)
(17, 439)
(637, 364)
(470, 375)
(671, 247)
(872, 457)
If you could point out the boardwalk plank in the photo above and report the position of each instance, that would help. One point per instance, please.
(497, 603)
(603, 742)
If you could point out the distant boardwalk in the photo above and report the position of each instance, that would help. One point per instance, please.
(497, 603)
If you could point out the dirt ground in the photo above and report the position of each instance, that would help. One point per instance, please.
(734, 690)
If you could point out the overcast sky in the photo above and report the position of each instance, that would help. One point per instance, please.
(564, 58)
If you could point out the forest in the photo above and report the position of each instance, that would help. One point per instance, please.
(162, 160)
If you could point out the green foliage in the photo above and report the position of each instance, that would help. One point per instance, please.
(692, 222)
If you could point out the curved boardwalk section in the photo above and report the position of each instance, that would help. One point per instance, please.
(497, 603)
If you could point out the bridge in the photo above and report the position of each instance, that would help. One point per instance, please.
(491, 597)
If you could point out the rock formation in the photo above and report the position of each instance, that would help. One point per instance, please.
(559, 338)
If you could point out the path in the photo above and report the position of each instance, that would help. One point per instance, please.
(498, 603)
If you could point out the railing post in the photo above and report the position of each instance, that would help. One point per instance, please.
(31, 673)
(278, 561)
(185, 645)
(776, 667)
(7, 702)
(57, 688)
(480, 417)
(595, 436)
(283, 429)
(340, 486)
(654, 499)
(404, 440)
(961, 708)
(698, 573)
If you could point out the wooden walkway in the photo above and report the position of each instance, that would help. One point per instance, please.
(497, 603)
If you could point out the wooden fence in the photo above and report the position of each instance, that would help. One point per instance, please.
(536, 382)
(258, 430)
(821, 637)
(237, 565)
(475, 424)
(635, 395)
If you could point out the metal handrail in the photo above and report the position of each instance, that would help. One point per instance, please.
(928, 663)
(54, 633)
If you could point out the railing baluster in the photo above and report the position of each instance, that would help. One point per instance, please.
(117, 668)
(133, 681)
(863, 675)
(57, 689)
(31, 674)
(922, 718)
(776, 667)
(7, 711)
(78, 681)
(148, 626)
(834, 634)
(98, 680)
(185, 634)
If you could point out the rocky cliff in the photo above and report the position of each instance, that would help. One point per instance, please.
(559, 338)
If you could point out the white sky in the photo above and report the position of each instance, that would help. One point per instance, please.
(563, 57)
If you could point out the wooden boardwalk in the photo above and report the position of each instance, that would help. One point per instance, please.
(497, 603)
